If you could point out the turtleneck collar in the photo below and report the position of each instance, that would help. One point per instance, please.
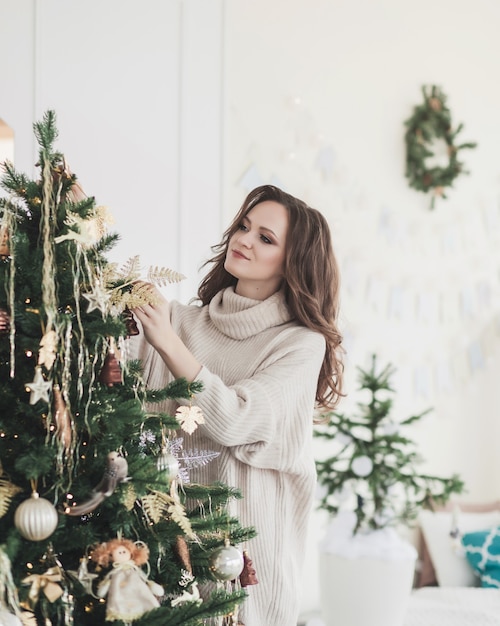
(239, 317)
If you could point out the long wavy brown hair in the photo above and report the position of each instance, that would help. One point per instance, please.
(311, 280)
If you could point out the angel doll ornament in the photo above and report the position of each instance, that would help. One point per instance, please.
(126, 587)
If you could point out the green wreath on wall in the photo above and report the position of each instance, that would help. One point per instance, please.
(431, 122)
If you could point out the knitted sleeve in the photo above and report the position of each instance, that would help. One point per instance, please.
(266, 418)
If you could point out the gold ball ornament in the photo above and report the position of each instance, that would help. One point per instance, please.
(226, 563)
(36, 518)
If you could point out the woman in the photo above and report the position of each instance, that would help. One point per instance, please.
(265, 345)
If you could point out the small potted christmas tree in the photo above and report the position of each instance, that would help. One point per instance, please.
(370, 485)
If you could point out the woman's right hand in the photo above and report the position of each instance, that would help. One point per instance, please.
(155, 319)
(158, 331)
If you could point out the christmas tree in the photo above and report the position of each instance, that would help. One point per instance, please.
(86, 462)
(374, 467)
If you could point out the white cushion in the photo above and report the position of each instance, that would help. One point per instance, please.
(451, 567)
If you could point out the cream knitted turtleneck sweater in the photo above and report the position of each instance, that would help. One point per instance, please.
(259, 375)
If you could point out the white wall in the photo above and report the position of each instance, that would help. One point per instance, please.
(137, 96)
(169, 111)
(309, 80)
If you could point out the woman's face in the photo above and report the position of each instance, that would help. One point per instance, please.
(256, 252)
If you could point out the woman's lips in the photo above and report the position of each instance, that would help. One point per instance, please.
(238, 254)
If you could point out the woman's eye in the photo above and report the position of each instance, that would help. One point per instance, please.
(265, 239)
(242, 227)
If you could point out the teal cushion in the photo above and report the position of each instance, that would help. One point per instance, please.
(482, 549)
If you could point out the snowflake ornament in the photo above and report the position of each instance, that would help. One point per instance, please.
(189, 418)
(191, 459)
(174, 445)
(146, 439)
(188, 459)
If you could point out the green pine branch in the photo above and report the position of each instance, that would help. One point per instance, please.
(192, 614)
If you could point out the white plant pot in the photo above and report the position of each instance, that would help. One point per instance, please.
(364, 591)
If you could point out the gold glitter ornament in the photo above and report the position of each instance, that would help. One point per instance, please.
(7, 491)
(129, 497)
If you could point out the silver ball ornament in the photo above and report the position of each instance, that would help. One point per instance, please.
(226, 563)
(36, 518)
(169, 464)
